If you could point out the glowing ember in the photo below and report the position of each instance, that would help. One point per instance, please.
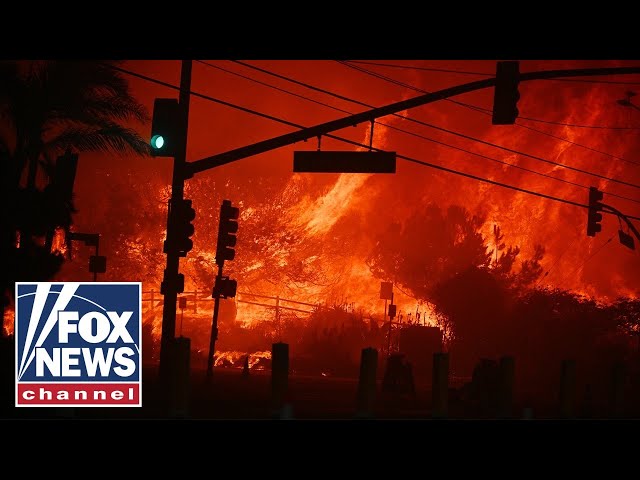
(9, 318)
(236, 359)
(59, 244)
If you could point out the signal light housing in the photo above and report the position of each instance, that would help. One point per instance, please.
(178, 237)
(594, 217)
(167, 131)
(227, 232)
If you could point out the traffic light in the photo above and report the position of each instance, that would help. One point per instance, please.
(65, 174)
(594, 217)
(506, 94)
(225, 287)
(182, 228)
(176, 283)
(166, 128)
(97, 264)
(226, 232)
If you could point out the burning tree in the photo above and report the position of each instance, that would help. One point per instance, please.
(431, 245)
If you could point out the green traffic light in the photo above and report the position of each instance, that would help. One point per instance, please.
(157, 142)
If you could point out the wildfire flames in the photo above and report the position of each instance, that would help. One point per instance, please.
(305, 238)
(234, 358)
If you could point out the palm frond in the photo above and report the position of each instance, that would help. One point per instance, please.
(72, 97)
(110, 137)
(99, 107)
(13, 92)
(67, 77)
(9, 80)
(68, 87)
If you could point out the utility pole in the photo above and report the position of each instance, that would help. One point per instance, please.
(171, 273)
(214, 323)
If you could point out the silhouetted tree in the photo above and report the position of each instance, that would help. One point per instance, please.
(473, 304)
(627, 314)
(442, 258)
(430, 246)
(547, 326)
(47, 108)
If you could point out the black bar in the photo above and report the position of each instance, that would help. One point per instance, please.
(312, 161)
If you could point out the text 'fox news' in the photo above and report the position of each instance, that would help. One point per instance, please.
(78, 344)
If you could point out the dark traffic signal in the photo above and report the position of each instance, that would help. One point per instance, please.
(97, 264)
(227, 232)
(225, 287)
(176, 284)
(65, 174)
(506, 94)
(179, 238)
(594, 217)
(166, 128)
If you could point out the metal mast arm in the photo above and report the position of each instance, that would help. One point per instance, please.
(370, 115)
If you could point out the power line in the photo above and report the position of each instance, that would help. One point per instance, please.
(573, 125)
(306, 85)
(483, 111)
(409, 159)
(409, 132)
(578, 144)
(589, 258)
(405, 85)
(556, 262)
(538, 120)
(488, 112)
(483, 74)
(273, 87)
(341, 97)
(425, 69)
(412, 120)
(201, 95)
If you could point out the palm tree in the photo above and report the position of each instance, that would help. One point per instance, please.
(50, 106)
(47, 108)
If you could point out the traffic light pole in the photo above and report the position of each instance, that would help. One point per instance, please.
(214, 325)
(170, 279)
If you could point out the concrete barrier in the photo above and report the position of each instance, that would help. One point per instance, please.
(365, 402)
(440, 386)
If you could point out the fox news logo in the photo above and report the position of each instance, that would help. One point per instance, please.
(78, 344)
